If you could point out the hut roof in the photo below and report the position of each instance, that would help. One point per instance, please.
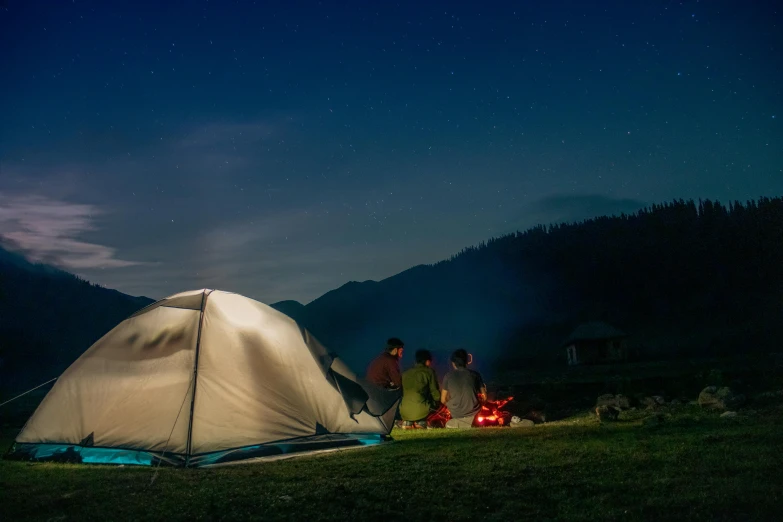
(594, 331)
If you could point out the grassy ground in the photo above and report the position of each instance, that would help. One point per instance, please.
(693, 466)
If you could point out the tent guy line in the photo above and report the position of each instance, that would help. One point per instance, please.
(28, 391)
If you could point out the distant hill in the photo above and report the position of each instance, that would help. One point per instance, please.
(293, 309)
(684, 279)
(48, 317)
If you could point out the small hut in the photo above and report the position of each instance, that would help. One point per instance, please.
(596, 343)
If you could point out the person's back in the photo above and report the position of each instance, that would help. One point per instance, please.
(384, 370)
(463, 391)
(420, 391)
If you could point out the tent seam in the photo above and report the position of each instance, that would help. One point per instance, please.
(189, 442)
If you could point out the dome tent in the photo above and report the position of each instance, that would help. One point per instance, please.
(201, 378)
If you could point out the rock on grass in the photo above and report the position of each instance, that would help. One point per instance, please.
(714, 398)
(607, 413)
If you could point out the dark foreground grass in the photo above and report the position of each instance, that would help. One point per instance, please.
(692, 467)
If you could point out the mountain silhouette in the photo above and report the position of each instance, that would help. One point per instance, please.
(293, 309)
(49, 317)
(683, 278)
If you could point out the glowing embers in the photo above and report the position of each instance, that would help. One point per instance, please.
(491, 414)
(490, 418)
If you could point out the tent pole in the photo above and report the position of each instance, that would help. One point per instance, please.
(195, 379)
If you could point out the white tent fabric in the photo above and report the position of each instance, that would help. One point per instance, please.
(205, 372)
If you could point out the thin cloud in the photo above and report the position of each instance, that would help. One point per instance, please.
(229, 237)
(48, 230)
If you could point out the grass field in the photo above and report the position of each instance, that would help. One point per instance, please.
(693, 466)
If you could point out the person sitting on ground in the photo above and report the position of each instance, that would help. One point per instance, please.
(463, 391)
(384, 370)
(420, 392)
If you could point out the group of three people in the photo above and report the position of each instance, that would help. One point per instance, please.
(463, 390)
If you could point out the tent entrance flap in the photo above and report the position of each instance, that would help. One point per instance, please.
(358, 394)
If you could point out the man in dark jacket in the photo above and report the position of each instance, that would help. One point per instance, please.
(420, 392)
(463, 391)
(384, 370)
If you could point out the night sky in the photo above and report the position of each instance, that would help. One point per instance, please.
(281, 149)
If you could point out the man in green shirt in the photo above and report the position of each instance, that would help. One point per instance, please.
(420, 392)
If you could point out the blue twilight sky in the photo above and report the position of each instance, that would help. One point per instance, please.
(280, 149)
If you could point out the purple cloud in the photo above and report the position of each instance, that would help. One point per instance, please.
(48, 230)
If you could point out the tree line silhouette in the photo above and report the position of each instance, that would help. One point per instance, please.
(688, 278)
(48, 317)
(683, 278)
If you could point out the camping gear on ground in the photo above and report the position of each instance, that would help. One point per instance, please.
(203, 378)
